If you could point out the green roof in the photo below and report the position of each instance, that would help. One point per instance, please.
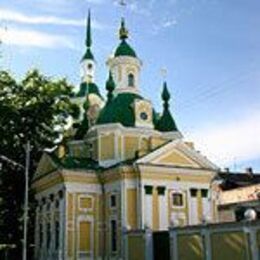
(90, 88)
(88, 55)
(166, 123)
(124, 49)
(119, 110)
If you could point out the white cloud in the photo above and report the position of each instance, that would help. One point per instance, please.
(235, 141)
(169, 23)
(24, 37)
(18, 17)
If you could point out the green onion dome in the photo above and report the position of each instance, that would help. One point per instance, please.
(119, 110)
(124, 49)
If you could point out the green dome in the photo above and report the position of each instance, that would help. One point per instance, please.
(119, 110)
(90, 88)
(124, 49)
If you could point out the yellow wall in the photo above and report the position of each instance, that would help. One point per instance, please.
(178, 159)
(155, 209)
(81, 234)
(107, 144)
(200, 210)
(136, 247)
(131, 144)
(157, 141)
(132, 208)
(85, 236)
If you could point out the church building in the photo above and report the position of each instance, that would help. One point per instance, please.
(123, 167)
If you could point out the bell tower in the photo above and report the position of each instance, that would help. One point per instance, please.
(125, 65)
(88, 64)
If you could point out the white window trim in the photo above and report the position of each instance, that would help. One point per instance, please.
(85, 197)
(183, 199)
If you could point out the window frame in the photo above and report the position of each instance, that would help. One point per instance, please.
(114, 194)
(183, 199)
(82, 196)
(131, 80)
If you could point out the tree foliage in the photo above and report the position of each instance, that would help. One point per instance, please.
(37, 109)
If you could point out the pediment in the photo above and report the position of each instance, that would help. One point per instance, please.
(45, 165)
(179, 154)
(175, 157)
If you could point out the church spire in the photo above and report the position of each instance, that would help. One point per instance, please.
(88, 54)
(88, 34)
(166, 122)
(165, 96)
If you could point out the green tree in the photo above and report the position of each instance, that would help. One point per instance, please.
(36, 109)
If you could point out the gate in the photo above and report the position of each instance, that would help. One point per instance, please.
(161, 245)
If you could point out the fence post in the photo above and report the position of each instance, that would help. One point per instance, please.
(205, 233)
(148, 244)
(251, 231)
(125, 243)
(173, 244)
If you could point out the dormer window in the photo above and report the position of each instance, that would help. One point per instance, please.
(131, 80)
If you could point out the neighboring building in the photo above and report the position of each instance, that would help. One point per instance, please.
(237, 193)
(126, 168)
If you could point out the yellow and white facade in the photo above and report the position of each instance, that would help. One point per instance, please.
(119, 177)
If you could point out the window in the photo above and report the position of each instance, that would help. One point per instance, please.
(57, 204)
(85, 203)
(131, 80)
(177, 199)
(193, 192)
(148, 189)
(113, 201)
(113, 236)
(57, 234)
(204, 193)
(161, 190)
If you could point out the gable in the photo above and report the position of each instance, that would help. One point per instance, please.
(177, 153)
(45, 165)
(177, 158)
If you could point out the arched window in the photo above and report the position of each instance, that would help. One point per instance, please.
(131, 80)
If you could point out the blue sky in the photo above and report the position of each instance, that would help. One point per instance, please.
(210, 48)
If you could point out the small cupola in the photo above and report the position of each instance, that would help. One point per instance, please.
(125, 65)
(166, 122)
